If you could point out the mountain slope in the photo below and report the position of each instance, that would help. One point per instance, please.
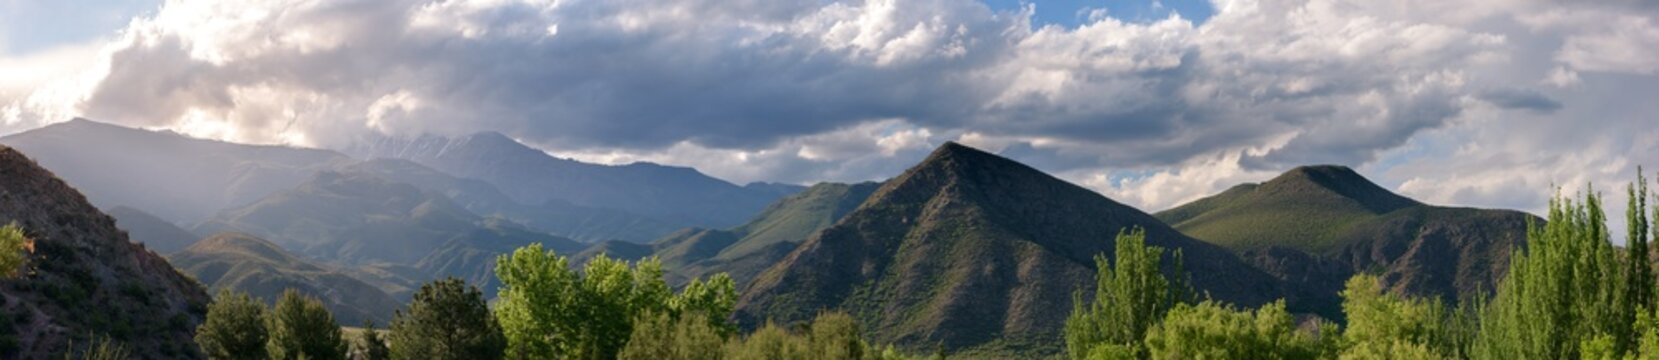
(361, 219)
(85, 278)
(677, 195)
(1326, 223)
(972, 251)
(248, 264)
(155, 233)
(178, 178)
(558, 217)
(1307, 208)
(392, 235)
(746, 250)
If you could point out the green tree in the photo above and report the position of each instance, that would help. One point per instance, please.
(1131, 295)
(370, 345)
(832, 335)
(548, 310)
(1638, 277)
(1561, 292)
(447, 320)
(300, 327)
(770, 342)
(14, 247)
(1210, 330)
(234, 328)
(660, 337)
(1381, 323)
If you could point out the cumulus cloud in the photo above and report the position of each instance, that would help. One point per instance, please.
(1151, 111)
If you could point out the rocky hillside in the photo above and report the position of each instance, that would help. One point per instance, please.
(85, 278)
(244, 263)
(1318, 225)
(975, 252)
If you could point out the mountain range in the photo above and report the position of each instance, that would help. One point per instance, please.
(678, 195)
(967, 250)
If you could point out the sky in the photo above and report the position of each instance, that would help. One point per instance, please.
(1494, 103)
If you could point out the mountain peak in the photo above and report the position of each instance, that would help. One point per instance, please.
(1341, 180)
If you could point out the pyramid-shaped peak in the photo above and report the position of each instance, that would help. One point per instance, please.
(1341, 180)
(955, 155)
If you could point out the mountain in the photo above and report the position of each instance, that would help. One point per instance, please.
(174, 177)
(392, 235)
(589, 224)
(678, 195)
(1326, 223)
(359, 219)
(85, 278)
(241, 262)
(744, 251)
(159, 235)
(975, 252)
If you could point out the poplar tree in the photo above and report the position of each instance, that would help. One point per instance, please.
(1131, 295)
(1561, 290)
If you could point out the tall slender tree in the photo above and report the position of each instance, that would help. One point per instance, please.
(1131, 295)
(1561, 290)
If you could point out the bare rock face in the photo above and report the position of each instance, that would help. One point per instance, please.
(85, 278)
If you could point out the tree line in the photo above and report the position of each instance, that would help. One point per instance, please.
(545, 309)
(1569, 293)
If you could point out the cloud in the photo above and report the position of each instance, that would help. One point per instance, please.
(1150, 111)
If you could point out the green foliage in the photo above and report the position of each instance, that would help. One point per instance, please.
(1561, 291)
(1132, 294)
(1381, 324)
(829, 336)
(661, 337)
(101, 348)
(14, 247)
(370, 345)
(447, 320)
(234, 329)
(548, 310)
(1213, 331)
(301, 328)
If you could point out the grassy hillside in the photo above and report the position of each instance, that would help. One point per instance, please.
(248, 264)
(1317, 225)
(1308, 208)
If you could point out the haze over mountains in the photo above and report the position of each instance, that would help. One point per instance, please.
(966, 250)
